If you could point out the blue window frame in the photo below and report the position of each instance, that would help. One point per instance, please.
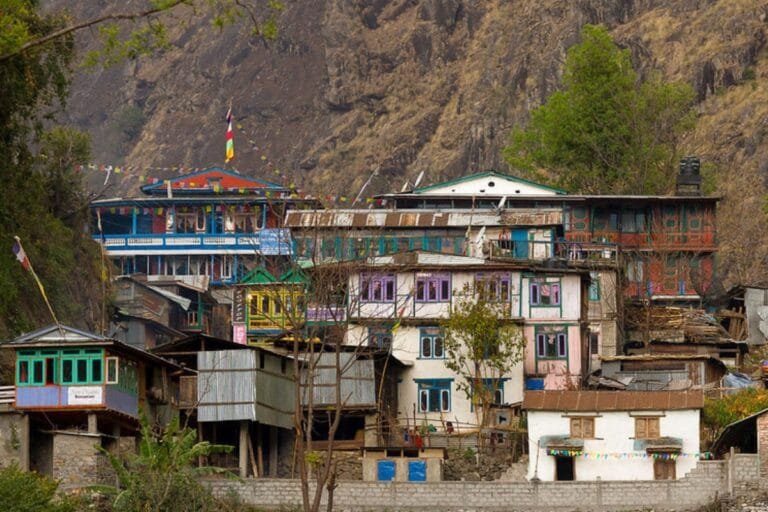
(380, 336)
(431, 344)
(434, 395)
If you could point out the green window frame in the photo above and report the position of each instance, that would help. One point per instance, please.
(51, 367)
(594, 286)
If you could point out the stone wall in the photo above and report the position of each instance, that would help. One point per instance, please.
(77, 462)
(699, 487)
(14, 439)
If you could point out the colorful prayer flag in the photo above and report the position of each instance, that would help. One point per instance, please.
(230, 153)
(18, 250)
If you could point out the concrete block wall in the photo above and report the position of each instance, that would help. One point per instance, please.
(707, 481)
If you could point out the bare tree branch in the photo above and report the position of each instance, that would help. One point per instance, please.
(86, 24)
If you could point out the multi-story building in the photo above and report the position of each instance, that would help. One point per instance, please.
(398, 303)
(209, 227)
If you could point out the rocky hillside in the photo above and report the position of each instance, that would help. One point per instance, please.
(394, 87)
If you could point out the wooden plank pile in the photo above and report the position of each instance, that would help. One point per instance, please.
(737, 322)
(675, 325)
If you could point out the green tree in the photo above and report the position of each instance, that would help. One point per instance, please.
(481, 347)
(718, 413)
(162, 476)
(605, 131)
(24, 491)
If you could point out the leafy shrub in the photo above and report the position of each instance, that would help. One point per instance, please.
(163, 476)
(24, 491)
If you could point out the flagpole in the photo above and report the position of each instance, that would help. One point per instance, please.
(39, 284)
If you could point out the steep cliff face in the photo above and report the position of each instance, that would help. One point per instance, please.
(391, 88)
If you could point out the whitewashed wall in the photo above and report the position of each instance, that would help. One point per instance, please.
(614, 434)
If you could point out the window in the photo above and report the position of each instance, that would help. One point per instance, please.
(583, 428)
(493, 287)
(433, 288)
(633, 221)
(594, 343)
(377, 287)
(434, 395)
(49, 367)
(431, 344)
(112, 370)
(635, 271)
(380, 337)
(545, 293)
(496, 387)
(647, 428)
(552, 344)
(594, 286)
(185, 222)
(242, 222)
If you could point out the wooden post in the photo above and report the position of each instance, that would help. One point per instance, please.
(200, 458)
(259, 450)
(273, 444)
(257, 472)
(242, 457)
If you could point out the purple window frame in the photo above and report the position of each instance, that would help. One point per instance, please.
(439, 283)
(536, 296)
(378, 288)
(561, 345)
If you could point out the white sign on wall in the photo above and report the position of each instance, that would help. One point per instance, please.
(84, 395)
(239, 333)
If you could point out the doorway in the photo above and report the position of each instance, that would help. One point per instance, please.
(663, 469)
(564, 468)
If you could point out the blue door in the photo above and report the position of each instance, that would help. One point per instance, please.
(520, 243)
(417, 471)
(386, 470)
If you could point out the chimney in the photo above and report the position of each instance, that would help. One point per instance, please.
(689, 179)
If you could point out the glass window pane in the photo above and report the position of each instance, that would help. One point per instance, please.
(423, 400)
(112, 370)
(445, 289)
(438, 346)
(23, 372)
(445, 400)
(37, 372)
(420, 290)
(50, 372)
(390, 290)
(432, 290)
(96, 370)
(534, 293)
(82, 371)
(66, 371)
(426, 346)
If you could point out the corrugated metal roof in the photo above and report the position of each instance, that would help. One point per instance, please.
(568, 401)
(423, 218)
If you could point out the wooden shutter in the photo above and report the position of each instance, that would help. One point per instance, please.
(576, 428)
(641, 430)
(653, 428)
(588, 427)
